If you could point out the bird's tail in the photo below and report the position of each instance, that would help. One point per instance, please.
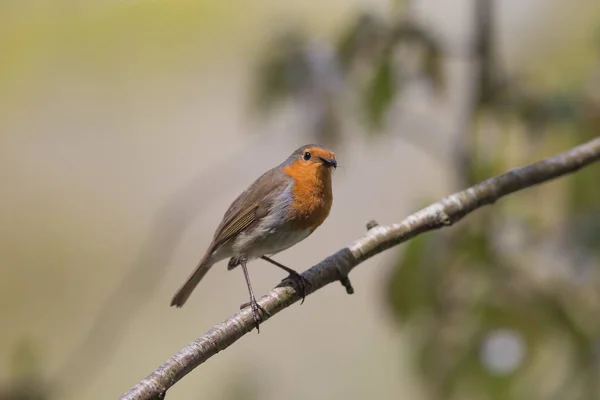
(188, 287)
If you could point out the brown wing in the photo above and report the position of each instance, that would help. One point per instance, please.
(252, 205)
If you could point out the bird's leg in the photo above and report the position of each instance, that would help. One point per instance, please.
(301, 282)
(256, 308)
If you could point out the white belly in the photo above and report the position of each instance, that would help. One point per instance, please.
(272, 235)
(268, 244)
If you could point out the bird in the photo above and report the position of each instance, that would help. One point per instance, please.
(281, 208)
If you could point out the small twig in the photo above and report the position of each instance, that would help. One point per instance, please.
(372, 224)
(337, 266)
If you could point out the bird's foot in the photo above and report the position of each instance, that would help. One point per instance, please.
(256, 310)
(301, 284)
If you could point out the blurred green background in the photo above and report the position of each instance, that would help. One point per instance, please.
(127, 128)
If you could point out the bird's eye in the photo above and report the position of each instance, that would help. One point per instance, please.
(306, 155)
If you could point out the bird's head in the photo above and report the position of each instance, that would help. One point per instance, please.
(313, 157)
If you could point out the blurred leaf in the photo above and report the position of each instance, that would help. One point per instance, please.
(585, 232)
(281, 73)
(379, 93)
(560, 317)
(363, 36)
(480, 171)
(409, 32)
(433, 67)
(412, 286)
(270, 84)
(474, 244)
(349, 42)
(585, 189)
(584, 207)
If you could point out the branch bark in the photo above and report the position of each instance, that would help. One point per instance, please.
(337, 266)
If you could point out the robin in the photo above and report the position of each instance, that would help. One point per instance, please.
(281, 208)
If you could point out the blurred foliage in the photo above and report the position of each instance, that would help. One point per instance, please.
(370, 61)
(505, 305)
(380, 93)
(282, 72)
(523, 267)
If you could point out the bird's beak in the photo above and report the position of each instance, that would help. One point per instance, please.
(329, 162)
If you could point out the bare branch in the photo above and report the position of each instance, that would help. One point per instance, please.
(378, 238)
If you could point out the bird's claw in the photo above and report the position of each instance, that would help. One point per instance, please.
(256, 310)
(300, 283)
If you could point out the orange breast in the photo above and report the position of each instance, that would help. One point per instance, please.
(311, 193)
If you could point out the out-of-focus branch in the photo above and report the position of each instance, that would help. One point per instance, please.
(378, 238)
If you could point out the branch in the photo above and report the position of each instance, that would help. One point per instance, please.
(337, 266)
